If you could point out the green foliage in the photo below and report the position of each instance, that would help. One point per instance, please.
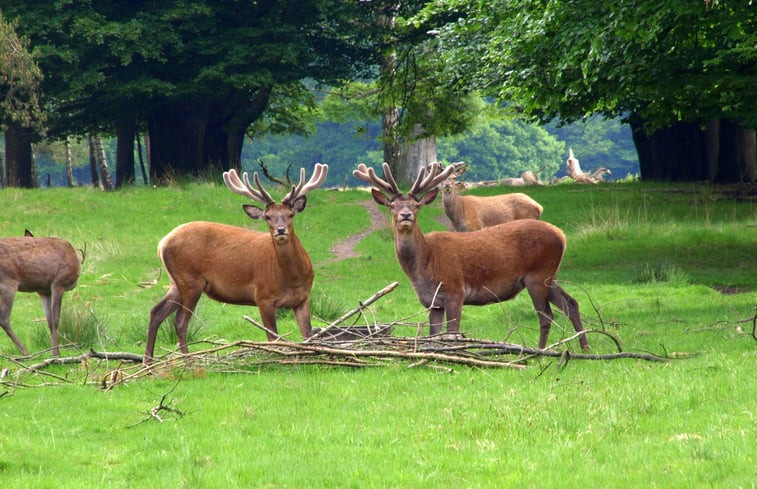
(20, 80)
(666, 62)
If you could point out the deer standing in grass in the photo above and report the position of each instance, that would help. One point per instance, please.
(449, 269)
(472, 212)
(47, 266)
(270, 270)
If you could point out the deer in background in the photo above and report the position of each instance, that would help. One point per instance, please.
(47, 266)
(234, 265)
(449, 269)
(470, 212)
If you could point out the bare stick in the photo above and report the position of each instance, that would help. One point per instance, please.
(258, 325)
(378, 295)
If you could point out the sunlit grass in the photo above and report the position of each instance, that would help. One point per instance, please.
(666, 270)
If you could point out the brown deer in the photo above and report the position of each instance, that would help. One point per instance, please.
(449, 269)
(471, 212)
(270, 270)
(47, 266)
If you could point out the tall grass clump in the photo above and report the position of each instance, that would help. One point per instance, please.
(661, 271)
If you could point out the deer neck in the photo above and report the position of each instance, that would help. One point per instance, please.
(453, 206)
(292, 257)
(413, 252)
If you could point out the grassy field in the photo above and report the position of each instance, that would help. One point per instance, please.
(667, 269)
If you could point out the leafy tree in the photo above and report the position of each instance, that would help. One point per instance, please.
(670, 69)
(20, 109)
(196, 73)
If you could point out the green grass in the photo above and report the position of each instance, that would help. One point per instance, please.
(666, 269)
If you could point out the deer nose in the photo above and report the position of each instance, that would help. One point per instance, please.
(280, 231)
(405, 216)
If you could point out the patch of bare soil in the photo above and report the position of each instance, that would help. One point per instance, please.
(727, 290)
(346, 248)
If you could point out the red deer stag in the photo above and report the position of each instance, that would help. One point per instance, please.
(449, 269)
(471, 212)
(47, 266)
(239, 266)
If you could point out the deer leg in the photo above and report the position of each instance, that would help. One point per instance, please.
(436, 320)
(454, 311)
(52, 324)
(540, 297)
(6, 303)
(158, 314)
(268, 315)
(302, 316)
(569, 306)
(181, 321)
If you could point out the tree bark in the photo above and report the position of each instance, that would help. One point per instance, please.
(125, 153)
(719, 151)
(105, 181)
(69, 164)
(93, 162)
(19, 164)
(416, 153)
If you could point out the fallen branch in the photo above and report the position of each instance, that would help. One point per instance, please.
(378, 295)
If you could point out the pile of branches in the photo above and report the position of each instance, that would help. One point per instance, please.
(353, 347)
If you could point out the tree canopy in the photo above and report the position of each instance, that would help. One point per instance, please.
(20, 79)
(198, 72)
(656, 64)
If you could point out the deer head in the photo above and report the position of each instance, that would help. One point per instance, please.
(278, 216)
(404, 207)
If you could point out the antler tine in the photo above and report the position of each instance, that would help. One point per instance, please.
(234, 183)
(424, 183)
(390, 179)
(369, 175)
(316, 180)
(265, 197)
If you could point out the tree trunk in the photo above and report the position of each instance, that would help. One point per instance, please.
(176, 141)
(69, 164)
(416, 153)
(105, 180)
(737, 155)
(721, 151)
(93, 162)
(19, 164)
(141, 159)
(390, 115)
(125, 153)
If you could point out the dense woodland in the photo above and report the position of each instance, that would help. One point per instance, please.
(185, 84)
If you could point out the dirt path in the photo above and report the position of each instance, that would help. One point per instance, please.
(346, 248)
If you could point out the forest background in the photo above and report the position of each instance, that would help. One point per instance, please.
(198, 79)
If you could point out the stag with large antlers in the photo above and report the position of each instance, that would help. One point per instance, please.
(449, 269)
(270, 270)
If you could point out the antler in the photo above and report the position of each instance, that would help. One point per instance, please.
(238, 187)
(423, 183)
(316, 180)
(369, 175)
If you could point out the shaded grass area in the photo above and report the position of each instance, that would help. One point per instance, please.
(647, 262)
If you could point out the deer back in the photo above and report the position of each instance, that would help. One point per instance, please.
(36, 264)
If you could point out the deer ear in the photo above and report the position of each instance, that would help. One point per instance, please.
(429, 197)
(379, 197)
(252, 211)
(299, 204)
(28, 233)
